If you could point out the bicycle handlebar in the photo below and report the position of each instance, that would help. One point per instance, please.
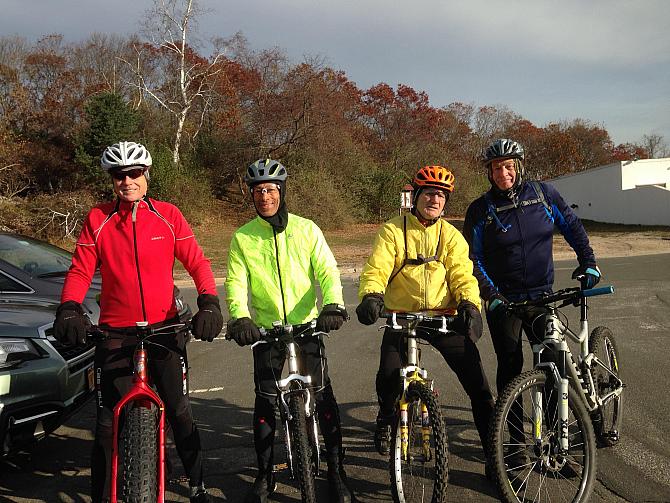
(568, 295)
(98, 333)
(416, 317)
(392, 320)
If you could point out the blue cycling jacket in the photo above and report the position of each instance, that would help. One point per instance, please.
(511, 243)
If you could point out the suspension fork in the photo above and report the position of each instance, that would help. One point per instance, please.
(404, 429)
(559, 371)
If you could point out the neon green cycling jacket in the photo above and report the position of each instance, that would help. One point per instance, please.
(264, 263)
(438, 285)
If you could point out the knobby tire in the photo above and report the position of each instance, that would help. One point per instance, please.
(300, 443)
(602, 345)
(525, 472)
(414, 480)
(139, 454)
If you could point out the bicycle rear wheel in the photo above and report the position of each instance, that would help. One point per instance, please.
(303, 469)
(607, 418)
(422, 474)
(139, 455)
(528, 471)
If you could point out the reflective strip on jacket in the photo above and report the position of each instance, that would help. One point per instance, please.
(434, 286)
(304, 256)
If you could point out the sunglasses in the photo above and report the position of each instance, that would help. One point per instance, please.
(132, 173)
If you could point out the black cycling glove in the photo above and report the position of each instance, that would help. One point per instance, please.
(331, 317)
(470, 320)
(587, 275)
(71, 324)
(243, 331)
(208, 321)
(370, 308)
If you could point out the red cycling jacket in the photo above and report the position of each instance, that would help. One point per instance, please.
(135, 248)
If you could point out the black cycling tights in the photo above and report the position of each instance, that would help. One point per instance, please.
(462, 356)
(168, 369)
(506, 330)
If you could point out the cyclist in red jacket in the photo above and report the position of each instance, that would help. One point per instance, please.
(134, 241)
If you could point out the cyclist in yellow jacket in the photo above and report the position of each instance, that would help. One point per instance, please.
(275, 259)
(419, 263)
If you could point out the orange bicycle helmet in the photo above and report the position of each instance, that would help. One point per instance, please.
(434, 176)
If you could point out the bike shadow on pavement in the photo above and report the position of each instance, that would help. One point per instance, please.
(58, 468)
(368, 471)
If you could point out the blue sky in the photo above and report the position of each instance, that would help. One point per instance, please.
(607, 61)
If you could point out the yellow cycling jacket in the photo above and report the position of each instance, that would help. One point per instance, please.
(437, 285)
(264, 264)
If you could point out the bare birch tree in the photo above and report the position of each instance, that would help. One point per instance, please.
(188, 87)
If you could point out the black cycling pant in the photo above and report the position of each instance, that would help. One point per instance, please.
(168, 368)
(506, 330)
(462, 356)
(268, 365)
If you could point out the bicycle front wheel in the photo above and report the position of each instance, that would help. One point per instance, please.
(607, 418)
(139, 454)
(419, 472)
(303, 469)
(529, 464)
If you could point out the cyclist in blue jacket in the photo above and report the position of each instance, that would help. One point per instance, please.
(510, 233)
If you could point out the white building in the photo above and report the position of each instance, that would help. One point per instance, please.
(624, 192)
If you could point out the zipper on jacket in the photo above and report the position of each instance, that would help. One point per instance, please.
(137, 259)
(281, 286)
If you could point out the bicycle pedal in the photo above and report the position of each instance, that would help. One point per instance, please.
(279, 467)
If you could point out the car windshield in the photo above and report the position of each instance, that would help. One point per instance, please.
(37, 258)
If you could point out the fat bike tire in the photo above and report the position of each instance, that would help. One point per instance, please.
(139, 454)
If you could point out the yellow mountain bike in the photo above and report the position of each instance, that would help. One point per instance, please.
(419, 452)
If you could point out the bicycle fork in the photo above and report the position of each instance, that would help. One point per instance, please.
(142, 395)
(553, 330)
(284, 385)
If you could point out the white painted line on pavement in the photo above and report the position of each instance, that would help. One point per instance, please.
(206, 390)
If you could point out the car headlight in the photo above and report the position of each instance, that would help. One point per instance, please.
(15, 351)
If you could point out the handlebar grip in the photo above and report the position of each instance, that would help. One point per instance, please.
(603, 290)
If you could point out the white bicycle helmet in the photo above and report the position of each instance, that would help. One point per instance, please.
(125, 154)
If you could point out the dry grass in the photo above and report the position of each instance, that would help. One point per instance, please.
(351, 246)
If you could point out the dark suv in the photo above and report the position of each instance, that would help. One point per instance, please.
(41, 381)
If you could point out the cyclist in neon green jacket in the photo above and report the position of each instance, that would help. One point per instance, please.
(274, 260)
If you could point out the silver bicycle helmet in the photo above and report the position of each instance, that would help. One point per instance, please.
(125, 154)
(265, 170)
(503, 149)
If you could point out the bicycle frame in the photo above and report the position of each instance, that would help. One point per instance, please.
(566, 368)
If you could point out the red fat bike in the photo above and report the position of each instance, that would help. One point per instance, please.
(138, 428)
